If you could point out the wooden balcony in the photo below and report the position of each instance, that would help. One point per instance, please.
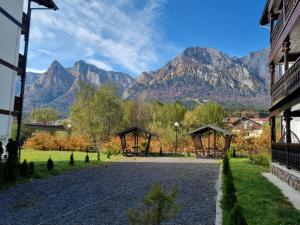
(287, 154)
(283, 19)
(287, 84)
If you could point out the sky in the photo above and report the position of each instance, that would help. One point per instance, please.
(133, 36)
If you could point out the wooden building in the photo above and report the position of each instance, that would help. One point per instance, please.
(249, 127)
(283, 19)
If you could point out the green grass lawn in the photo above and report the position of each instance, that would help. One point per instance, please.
(261, 201)
(61, 162)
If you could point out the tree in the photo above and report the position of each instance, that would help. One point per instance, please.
(108, 110)
(210, 113)
(82, 113)
(97, 113)
(44, 115)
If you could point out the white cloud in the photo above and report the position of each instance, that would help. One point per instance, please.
(120, 31)
(100, 64)
(33, 70)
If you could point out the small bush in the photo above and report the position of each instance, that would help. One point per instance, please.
(1, 165)
(50, 164)
(226, 164)
(157, 207)
(109, 153)
(31, 168)
(261, 159)
(229, 193)
(11, 165)
(72, 159)
(23, 169)
(229, 198)
(236, 216)
(87, 158)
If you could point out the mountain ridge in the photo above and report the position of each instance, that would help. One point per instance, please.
(207, 75)
(198, 74)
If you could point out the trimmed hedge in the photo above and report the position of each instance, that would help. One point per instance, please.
(233, 214)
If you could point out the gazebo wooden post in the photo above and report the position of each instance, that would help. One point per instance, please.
(215, 142)
(208, 148)
(148, 144)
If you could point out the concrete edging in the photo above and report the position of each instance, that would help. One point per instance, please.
(289, 192)
(219, 214)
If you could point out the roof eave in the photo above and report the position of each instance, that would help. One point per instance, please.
(264, 20)
(50, 4)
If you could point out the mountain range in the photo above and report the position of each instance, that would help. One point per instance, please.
(196, 75)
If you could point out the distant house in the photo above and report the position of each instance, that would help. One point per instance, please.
(250, 127)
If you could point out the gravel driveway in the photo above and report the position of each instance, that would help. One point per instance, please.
(101, 195)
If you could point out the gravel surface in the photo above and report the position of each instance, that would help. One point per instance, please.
(101, 195)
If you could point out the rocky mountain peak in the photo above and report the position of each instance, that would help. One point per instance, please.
(80, 67)
(201, 74)
(55, 67)
(203, 55)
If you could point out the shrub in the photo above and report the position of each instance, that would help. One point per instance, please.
(229, 198)
(31, 168)
(1, 151)
(157, 207)
(109, 153)
(226, 165)
(1, 165)
(23, 169)
(11, 165)
(72, 159)
(87, 158)
(229, 192)
(262, 159)
(50, 164)
(236, 216)
(49, 141)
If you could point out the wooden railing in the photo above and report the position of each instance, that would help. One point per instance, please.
(288, 83)
(288, 8)
(287, 154)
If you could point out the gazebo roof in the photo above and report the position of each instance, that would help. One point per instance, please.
(208, 127)
(133, 129)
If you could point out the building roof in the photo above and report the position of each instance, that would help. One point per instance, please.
(208, 127)
(264, 20)
(243, 119)
(47, 3)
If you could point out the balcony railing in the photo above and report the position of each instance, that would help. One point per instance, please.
(288, 8)
(287, 154)
(288, 83)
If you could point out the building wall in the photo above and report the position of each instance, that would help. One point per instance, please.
(9, 51)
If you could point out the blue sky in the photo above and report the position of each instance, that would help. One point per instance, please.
(133, 36)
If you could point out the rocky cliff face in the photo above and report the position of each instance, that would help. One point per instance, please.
(196, 75)
(203, 74)
(57, 86)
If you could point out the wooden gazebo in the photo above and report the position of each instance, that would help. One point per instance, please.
(212, 149)
(136, 149)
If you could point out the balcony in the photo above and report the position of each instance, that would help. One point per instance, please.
(287, 154)
(286, 12)
(287, 84)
